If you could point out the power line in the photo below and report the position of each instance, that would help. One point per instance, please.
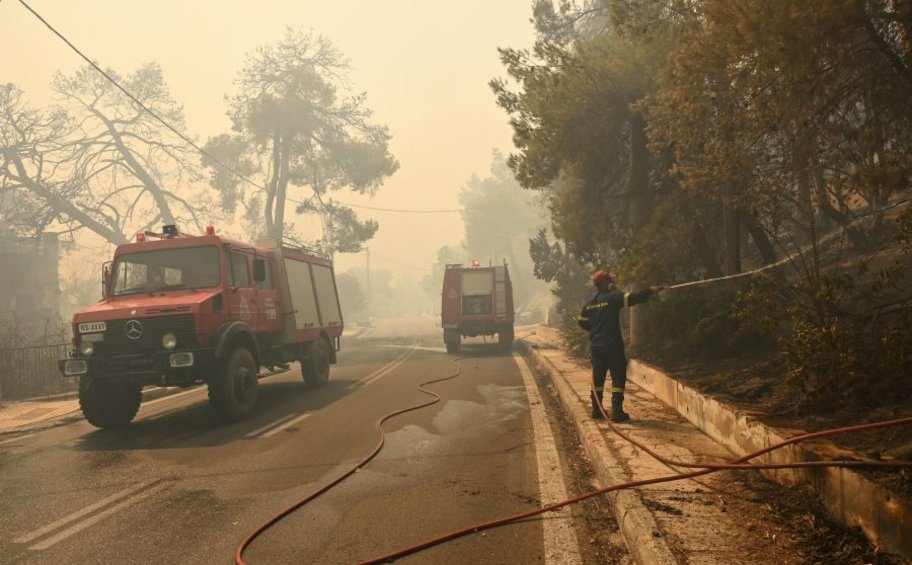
(403, 211)
(136, 101)
(388, 260)
(189, 141)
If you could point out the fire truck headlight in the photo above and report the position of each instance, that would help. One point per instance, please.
(75, 367)
(86, 348)
(169, 342)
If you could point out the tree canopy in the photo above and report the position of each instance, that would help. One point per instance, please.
(98, 161)
(294, 115)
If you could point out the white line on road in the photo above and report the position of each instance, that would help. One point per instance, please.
(286, 425)
(11, 440)
(435, 349)
(173, 396)
(26, 538)
(561, 544)
(91, 521)
(382, 371)
(268, 426)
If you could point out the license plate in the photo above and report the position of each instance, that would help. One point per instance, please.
(92, 327)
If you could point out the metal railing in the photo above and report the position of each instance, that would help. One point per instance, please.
(29, 372)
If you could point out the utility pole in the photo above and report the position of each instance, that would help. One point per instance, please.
(367, 284)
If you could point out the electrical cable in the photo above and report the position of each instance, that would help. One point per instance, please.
(403, 210)
(189, 141)
(136, 101)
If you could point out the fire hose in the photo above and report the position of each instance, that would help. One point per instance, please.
(740, 463)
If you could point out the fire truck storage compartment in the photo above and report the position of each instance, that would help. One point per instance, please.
(326, 295)
(477, 287)
(301, 292)
(312, 289)
(483, 291)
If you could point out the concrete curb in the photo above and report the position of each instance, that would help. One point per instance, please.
(848, 496)
(638, 527)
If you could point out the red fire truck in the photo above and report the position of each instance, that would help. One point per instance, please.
(476, 301)
(184, 310)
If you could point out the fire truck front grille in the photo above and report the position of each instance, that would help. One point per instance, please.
(137, 336)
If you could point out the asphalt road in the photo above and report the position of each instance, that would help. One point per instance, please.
(179, 486)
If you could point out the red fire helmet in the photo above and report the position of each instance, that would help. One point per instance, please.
(601, 276)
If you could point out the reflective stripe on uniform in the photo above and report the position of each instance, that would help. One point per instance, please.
(599, 388)
(615, 389)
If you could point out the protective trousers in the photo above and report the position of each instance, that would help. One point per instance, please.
(605, 360)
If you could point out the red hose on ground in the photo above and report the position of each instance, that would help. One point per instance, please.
(238, 557)
(704, 469)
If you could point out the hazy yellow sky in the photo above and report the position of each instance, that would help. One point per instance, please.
(424, 67)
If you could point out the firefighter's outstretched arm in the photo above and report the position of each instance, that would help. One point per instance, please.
(641, 296)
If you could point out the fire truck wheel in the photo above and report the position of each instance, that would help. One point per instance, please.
(453, 341)
(106, 404)
(505, 339)
(233, 392)
(315, 369)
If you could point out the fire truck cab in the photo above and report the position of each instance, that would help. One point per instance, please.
(184, 310)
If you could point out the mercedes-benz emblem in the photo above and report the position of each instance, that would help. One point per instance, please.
(133, 329)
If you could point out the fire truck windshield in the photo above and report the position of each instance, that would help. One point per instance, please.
(166, 269)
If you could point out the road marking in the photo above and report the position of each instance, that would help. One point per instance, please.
(11, 440)
(44, 530)
(561, 544)
(381, 371)
(196, 388)
(173, 396)
(91, 521)
(435, 349)
(386, 369)
(286, 425)
(268, 426)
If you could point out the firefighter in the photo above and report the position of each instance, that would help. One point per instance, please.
(600, 316)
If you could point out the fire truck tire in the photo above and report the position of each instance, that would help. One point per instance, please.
(233, 392)
(315, 368)
(505, 339)
(453, 341)
(108, 405)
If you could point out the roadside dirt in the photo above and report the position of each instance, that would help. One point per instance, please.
(783, 525)
(600, 537)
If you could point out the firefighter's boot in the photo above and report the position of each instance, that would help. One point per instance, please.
(617, 408)
(596, 405)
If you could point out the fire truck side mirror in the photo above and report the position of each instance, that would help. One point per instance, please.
(105, 279)
(259, 270)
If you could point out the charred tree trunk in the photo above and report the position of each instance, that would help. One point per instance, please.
(281, 188)
(639, 173)
(760, 238)
(705, 251)
(732, 226)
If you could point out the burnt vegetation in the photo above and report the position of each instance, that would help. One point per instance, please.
(678, 140)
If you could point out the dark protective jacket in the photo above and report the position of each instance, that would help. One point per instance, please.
(601, 318)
